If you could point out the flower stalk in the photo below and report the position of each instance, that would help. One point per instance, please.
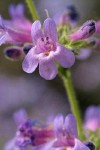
(66, 76)
(32, 9)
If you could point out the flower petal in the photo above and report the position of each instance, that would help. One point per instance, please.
(58, 125)
(20, 116)
(2, 39)
(64, 56)
(16, 11)
(71, 126)
(30, 62)
(79, 146)
(36, 31)
(47, 67)
(47, 146)
(10, 145)
(50, 29)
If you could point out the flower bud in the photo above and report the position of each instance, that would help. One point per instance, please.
(14, 53)
(84, 32)
(27, 48)
(90, 145)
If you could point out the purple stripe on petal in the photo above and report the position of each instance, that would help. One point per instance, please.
(71, 126)
(36, 31)
(64, 56)
(47, 67)
(30, 62)
(50, 29)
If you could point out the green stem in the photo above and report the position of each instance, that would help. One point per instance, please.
(32, 9)
(66, 76)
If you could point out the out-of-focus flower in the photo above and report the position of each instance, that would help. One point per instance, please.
(98, 27)
(97, 45)
(18, 29)
(46, 51)
(65, 135)
(70, 15)
(84, 32)
(65, 131)
(84, 54)
(14, 53)
(18, 18)
(27, 47)
(90, 145)
(20, 116)
(11, 145)
(92, 118)
(59, 135)
(33, 133)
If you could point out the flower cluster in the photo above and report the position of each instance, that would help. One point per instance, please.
(45, 48)
(50, 48)
(59, 134)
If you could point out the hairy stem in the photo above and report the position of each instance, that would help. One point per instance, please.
(32, 9)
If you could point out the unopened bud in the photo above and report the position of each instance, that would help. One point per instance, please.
(84, 32)
(90, 145)
(14, 53)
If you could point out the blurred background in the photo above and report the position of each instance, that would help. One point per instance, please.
(41, 98)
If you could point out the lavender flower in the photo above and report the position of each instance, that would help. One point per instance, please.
(70, 15)
(32, 133)
(11, 145)
(84, 53)
(18, 29)
(46, 51)
(92, 118)
(20, 116)
(65, 131)
(65, 136)
(84, 32)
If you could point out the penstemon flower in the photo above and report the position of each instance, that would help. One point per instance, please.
(70, 15)
(46, 51)
(18, 29)
(58, 135)
(92, 118)
(84, 32)
(84, 53)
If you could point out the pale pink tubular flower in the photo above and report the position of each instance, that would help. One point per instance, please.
(46, 51)
(92, 118)
(84, 32)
